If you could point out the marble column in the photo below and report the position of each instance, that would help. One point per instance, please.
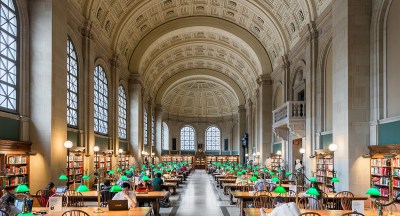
(241, 131)
(158, 128)
(265, 94)
(351, 80)
(113, 132)
(135, 121)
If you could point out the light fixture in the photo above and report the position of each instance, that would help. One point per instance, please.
(22, 188)
(63, 177)
(280, 190)
(373, 191)
(312, 191)
(120, 151)
(333, 147)
(279, 152)
(246, 155)
(115, 188)
(302, 150)
(96, 150)
(68, 144)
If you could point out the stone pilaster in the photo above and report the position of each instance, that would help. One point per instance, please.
(135, 110)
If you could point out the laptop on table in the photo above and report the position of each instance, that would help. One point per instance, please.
(117, 205)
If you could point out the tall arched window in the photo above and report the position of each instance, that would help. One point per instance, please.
(72, 85)
(100, 101)
(152, 130)
(164, 136)
(145, 127)
(213, 139)
(121, 113)
(187, 138)
(8, 57)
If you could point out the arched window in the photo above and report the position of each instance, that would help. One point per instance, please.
(152, 130)
(213, 139)
(187, 138)
(145, 127)
(164, 136)
(100, 101)
(8, 57)
(121, 113)
(72, 85)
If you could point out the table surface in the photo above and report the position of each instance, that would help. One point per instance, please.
(240, 194)
(140, 211)
(367, 212)
(150, 194)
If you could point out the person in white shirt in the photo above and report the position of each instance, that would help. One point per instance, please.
(282, 208)
(126, 194)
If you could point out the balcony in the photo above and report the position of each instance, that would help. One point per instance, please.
(290, 118)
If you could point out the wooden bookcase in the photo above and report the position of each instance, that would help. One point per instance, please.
(14, 163)
(103, 162)
(76, 165)
(123, 161)
(275, 162)
(385, 167)
(222, 158)
(177, 158)
(324, 169)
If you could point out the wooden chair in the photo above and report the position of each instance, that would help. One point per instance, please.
(3, 213)
(75, 213)
(346, 203)
(352, 214)
(75, 199)
(309, 214)
(105, 196)
(345, 194)
(40, 197)
(310, 203)
(263, 199)
(336, 204)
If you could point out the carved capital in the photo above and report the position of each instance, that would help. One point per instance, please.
(86, 31)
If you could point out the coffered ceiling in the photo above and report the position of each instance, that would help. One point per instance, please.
(241, 39)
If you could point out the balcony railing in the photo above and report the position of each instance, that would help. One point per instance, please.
(289, 111)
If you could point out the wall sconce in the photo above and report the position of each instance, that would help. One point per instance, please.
(302, 150)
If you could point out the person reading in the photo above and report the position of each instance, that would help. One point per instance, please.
(282, 208)
(126, 194)
(49, 191)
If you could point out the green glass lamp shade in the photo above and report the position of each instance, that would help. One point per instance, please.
(127, 172)
(256, 167)
(123, 178)
(313, 179)
(280, 190)
(256, 173)
(373, 191)
(26, 214)
(86, 177)
(236, 169)
(271, 173)
(143, 173)
(119, 169)
(243, 171)
(231, 171)
(115, 188)
(168, 170)
(240, 165)
(248, 166)
(145, 178)
(111, 172)
(22, 188)
(239, 173)
(275, 179)
(63, 177)
(312, 191)
(253, 179)
(82, 188)
(288, 173)
(143, 166)
(335, 179)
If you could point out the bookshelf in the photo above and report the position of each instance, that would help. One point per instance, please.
(222, 158)
(177, 158)
(385, 168)
(324, 169)
(275, 162)
(14, 163)
(75, 166)
(123, 161)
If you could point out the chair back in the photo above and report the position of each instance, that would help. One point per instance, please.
(75, 213)
(309, 214)
(346, 203)
(75, 199)
(345, 194)
(3, 213)
(263, 199)
(105, 196)
(309, 203)
(42, 196)
(352, 214)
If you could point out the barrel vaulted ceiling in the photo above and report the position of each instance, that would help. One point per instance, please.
(163, 39)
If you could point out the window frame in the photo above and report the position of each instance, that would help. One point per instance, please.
(107, 100)
(183, 140)
(213, 144)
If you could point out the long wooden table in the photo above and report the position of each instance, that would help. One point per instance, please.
(367, 212)
(152, 196)
(246, 196)
(141, 211)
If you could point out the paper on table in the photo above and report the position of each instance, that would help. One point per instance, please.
(358, 206)
(55, 204)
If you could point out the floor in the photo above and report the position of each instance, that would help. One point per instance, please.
(198, 196)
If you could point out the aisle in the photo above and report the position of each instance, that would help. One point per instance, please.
(200, 198)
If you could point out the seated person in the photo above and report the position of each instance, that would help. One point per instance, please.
(259, 184)
(241, 178)
(126, 194)
(157, 186)
(49, 191)
(144, 186)
(282, 208)
(107, 185)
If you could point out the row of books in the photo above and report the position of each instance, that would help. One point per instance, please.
(396, 162)
(380, 171)
(102, 165)
(380, 162)
(102, 159)
(17, 170)
(396, 172)
(13, 181)
(396, 182)
(383, 181)
(75, 158)
(325, 161)
(73, 164)
(16, 159)
(325, 166)
(77, 171)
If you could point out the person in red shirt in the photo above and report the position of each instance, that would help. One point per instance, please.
(49, 191)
